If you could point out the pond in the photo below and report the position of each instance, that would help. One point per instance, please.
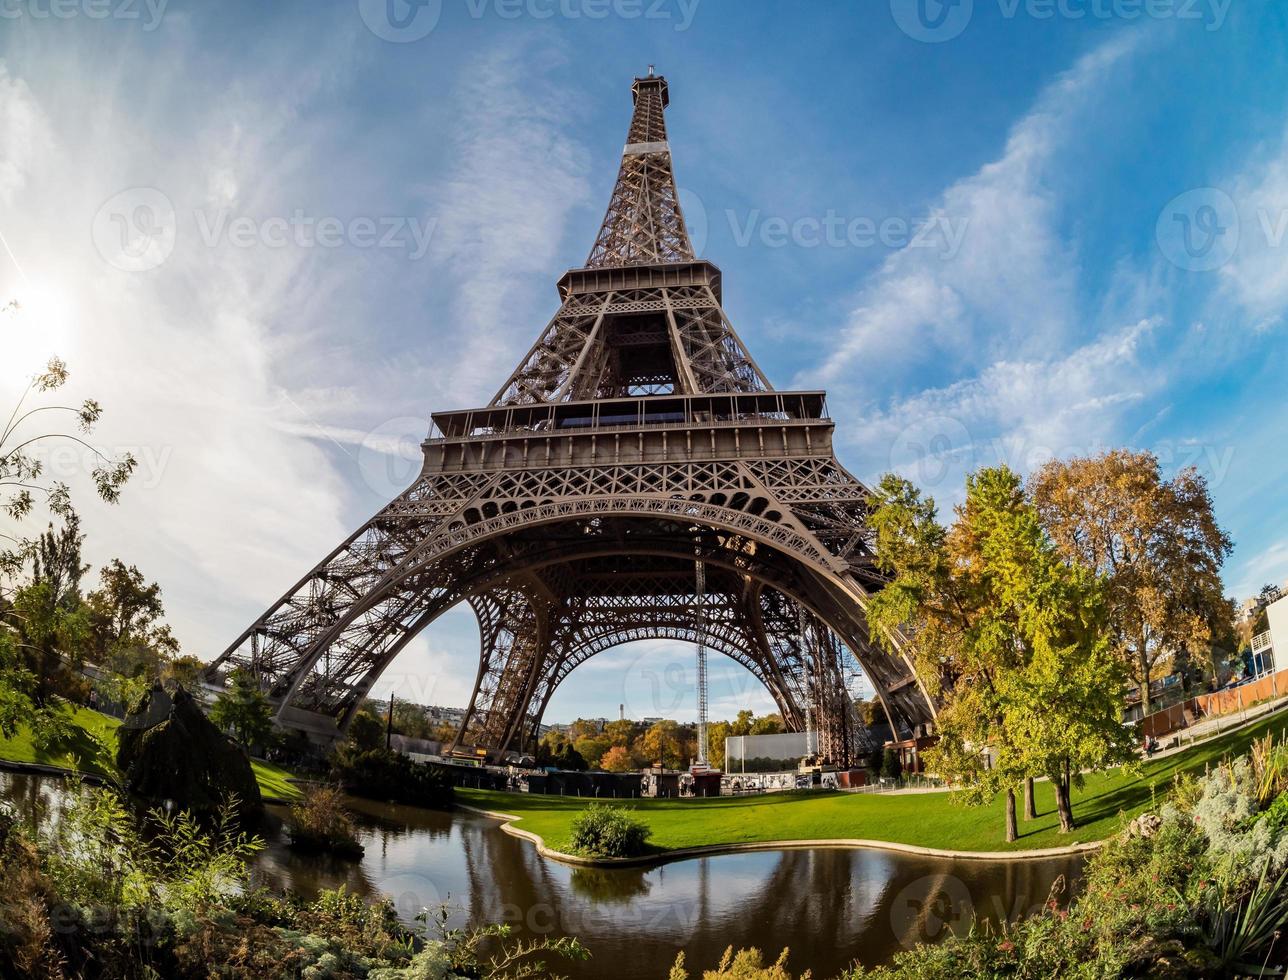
(829, 905)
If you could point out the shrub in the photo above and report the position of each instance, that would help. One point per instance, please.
(604, 830)
(379, 774)
(320, 822)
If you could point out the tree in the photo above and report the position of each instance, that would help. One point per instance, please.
(582, 728)
(1157, 545)
(186, 669)
(591, 748)
(47, 615)
(367, 730)
(717, 732)
(617, 759)
(243, 710)
(22, 470)
(661, 744)
(126, 613)
(412, 720)
(1009, 638)
(621, 732)
(891, 765)
(24, 691)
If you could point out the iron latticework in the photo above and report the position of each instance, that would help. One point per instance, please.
(636, 442)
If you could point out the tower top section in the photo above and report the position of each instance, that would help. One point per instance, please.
(644, 224)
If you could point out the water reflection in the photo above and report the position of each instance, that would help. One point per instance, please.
(831, 906)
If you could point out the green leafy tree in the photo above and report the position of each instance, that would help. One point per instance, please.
(367, 730)
(591, 748)
(48, 615)
(127, 621)
(243, 710)
(891, 766)
(1010, 639)
(771, 724)
(717, 732)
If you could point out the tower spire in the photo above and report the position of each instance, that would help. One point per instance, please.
(644, 224)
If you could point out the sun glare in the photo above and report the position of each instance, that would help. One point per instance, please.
(38, 326)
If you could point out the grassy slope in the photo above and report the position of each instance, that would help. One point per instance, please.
(927, 820)
(82, 753)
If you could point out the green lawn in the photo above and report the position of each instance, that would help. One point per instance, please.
(83, 754)
(926, 820)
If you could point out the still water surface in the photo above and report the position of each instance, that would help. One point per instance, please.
(831, 906)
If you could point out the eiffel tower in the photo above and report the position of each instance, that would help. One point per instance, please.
(636, 446)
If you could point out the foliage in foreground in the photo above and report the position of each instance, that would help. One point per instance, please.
(605, 830)
(746, 964)
(101, 895)
(1198, 890)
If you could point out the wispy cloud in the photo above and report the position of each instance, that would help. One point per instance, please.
(519, 172)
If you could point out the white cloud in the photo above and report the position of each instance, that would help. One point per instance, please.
(517, 176)
(1017, 412)
(1257, 274)
(25, 139)
(1009, 291)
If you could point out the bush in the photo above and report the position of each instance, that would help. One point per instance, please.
(321, 823)
(604, 830)
(891, 767)
(379, 774)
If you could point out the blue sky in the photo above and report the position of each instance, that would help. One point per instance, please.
(1054, 228)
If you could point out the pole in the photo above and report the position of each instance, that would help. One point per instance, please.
(700, 582)
(389, 723)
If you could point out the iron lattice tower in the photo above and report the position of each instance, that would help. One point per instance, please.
(636, 442)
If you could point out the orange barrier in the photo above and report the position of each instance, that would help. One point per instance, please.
(1226, 702)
